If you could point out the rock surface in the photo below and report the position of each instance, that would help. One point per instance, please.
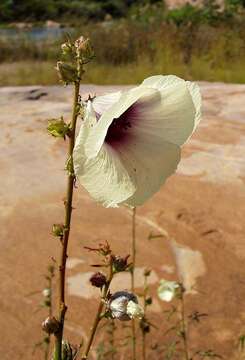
(199, 214)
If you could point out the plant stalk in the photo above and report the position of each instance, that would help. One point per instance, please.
(143, 332)
(67, 223)
(133, 279)
(98, 314)
(184, 328)
(50, 286)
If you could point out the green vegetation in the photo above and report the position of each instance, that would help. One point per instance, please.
(198, 43)
(36, 10)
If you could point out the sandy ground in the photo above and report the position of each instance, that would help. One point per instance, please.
(199, 213)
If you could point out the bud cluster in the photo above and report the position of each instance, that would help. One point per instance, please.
(75, 55)
(121, 305)
(84, 50)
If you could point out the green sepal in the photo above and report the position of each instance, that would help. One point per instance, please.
(58, 128)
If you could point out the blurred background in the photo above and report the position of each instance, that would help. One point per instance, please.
(132, 39)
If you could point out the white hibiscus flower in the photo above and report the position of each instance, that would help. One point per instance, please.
(129, 142)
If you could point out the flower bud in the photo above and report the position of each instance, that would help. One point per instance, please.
(145, 326)
(147, 272)
(58, 128)
(46, 292)
(79, 43)
(51, 325)
(67, 73)
(51, 269)
(47, 302)
(119, 263)
(84, 49)
(124, 306)
(148, 301)
(98, 280)
(58, 230)
(66, 48)
(168, 290)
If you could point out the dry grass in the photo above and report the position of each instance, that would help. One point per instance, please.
(199, 53)
(43, 72)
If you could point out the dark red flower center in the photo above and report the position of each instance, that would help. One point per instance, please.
(120, 128)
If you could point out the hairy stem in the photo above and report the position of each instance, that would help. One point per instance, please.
(143, 346)
(143, 332)
(50, 287)
(67, 223)
(112, 338)
(133, 280)
(98, 314)
(184, 328)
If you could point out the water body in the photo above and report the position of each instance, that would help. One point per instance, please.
(35, 33)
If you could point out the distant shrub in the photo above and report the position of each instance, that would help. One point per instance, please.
(6, 10)
(208, 13)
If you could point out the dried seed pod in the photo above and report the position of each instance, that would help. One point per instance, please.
(119, 263)
(51, 325)
(98, 280)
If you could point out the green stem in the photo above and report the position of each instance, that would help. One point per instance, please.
(133, 279)
(66, 233)
(98, 314)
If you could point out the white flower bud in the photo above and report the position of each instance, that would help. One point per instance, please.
(46, 292)
(168, 290)
(124, 306)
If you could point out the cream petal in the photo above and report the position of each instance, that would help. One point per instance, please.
(87, 126)
(97, 136)
(172, 117)
(167, 295)
(103, 176)
(134, 310)
(150, 163)
(197, 100)
(104, 102)
(167, 290)
(161, 82)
